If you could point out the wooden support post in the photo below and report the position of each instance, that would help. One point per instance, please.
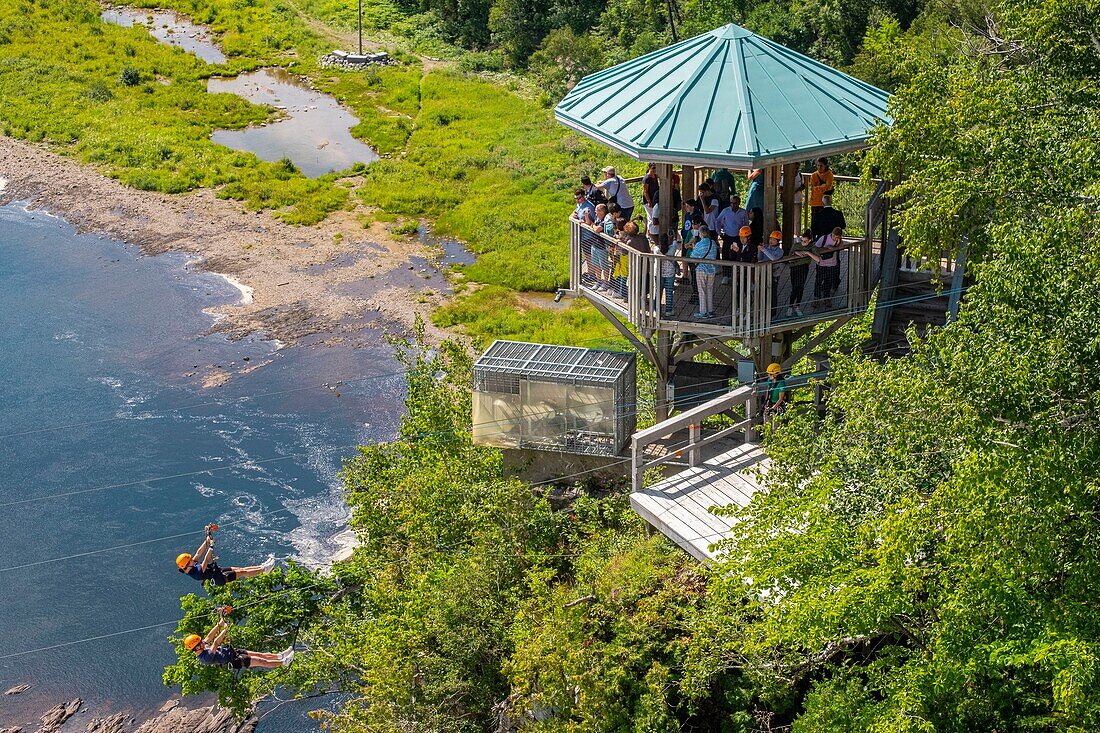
(790, 221)
(771, 181)
(664, 177)
(695, 431)
(663, 352)
(761, 357)
(687, 184)
(957, 279)
(888, 285)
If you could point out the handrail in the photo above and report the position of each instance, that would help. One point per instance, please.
(749, 296)
(691, 420)
(847, 243)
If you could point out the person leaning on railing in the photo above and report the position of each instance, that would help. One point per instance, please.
(599, 260)
(799, 269)
(773, 252)
(827, 258)
(584, 213)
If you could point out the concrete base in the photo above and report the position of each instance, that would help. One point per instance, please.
(537, 466)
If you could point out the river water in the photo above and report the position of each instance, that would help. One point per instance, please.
(103, 424)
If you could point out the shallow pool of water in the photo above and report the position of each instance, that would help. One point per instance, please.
(167, 27)
(315, 134)
(453, 251)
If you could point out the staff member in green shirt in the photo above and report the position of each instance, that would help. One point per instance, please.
(775, 398)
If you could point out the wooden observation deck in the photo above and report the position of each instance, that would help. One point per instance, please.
(722, 469)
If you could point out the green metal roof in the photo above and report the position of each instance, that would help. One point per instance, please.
(728, 97)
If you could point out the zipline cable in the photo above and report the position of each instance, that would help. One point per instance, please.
(285, 509)
(353, 380)
(226, 401)
(264, 461)
(271, 595)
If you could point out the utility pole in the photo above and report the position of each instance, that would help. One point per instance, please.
(360, 27)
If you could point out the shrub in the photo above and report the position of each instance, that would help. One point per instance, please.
(99, 92)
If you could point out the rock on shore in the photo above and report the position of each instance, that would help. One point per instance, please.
(173, 718)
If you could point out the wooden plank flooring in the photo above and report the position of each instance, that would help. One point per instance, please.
(679, 505)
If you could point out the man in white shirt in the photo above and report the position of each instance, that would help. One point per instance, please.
(614, 187)
(729, 222)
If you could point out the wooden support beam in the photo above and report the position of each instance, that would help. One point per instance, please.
(687, 182)
(790, 220)
(701, 344)
(771, 182)
(664, 177)
(887, 289)
(957, 279)
(663, 364)
(816, 341)
(627, 334)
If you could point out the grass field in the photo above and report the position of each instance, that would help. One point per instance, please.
(483, 163)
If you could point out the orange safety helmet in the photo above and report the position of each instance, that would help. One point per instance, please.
(744, 232)
(191, 641)
(776, 234)
(183, 560)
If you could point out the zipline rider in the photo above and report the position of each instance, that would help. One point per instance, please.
(212, 650)
(208, 569)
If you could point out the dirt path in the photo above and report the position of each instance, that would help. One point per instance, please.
(326, 279)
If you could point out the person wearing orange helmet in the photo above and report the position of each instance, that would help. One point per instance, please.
(772, 251)
(212, 649)
(207, 568)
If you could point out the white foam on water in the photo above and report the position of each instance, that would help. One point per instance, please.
(246, 292)
(207, 491)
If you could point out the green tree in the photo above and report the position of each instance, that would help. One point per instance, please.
(926, 558)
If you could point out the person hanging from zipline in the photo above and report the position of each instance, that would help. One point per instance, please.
(213, 649)
(207, 568)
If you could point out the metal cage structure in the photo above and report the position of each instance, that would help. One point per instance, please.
(555, 398)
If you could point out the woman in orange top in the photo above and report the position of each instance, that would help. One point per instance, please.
(821, 183)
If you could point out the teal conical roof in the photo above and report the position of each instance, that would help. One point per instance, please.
(728, 97)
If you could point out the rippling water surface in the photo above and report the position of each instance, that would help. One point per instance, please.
(103, 426)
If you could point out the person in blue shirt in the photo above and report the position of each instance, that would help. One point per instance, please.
(207, 568)
(211, 650)
(584, 212)
(755, 196)
(705, 273)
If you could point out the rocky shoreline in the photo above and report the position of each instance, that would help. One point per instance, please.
(295, 289)
(172, 718)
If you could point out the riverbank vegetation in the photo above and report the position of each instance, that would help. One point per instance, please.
(924, 558)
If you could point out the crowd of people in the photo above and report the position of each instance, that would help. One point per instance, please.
(705, 231)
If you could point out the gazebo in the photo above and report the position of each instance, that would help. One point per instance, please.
(726, 99)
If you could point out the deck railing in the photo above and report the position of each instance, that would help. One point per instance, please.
(692, 421)
(659, 292)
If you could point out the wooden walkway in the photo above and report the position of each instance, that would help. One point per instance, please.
(677, 506)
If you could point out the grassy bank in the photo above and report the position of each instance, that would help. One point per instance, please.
(485, 164)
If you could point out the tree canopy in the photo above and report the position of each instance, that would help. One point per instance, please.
(926, 555)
